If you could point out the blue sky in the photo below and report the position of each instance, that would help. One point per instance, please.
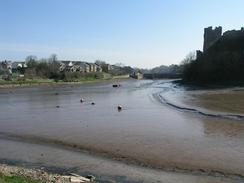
(142, 33)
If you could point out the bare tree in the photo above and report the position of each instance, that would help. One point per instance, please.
(189, 58)
(31, 61)
(53, 58)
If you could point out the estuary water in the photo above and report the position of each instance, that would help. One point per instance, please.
(158, 136)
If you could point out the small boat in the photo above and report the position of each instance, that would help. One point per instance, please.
(116, 85)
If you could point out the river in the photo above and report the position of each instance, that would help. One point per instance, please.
(160, 135)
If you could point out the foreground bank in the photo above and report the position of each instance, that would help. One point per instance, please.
(17, 174)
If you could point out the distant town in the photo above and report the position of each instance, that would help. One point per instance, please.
(34, 69)
(64, 66)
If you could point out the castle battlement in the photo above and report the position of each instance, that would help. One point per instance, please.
(234, 33)
(211, 36)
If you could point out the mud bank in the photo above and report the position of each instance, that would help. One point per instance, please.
(163, 100)
(114, 157)
(58, 161)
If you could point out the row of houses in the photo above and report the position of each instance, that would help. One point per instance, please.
(79, 66)
(11, 66)
(65, 66)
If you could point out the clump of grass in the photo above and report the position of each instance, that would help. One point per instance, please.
(15, 179)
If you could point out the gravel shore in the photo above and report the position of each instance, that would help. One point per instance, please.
(40, 175)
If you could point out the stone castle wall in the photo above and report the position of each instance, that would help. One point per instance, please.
(210, 36)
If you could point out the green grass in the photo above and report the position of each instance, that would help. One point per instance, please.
(15, 179)
(89, 78)
(27, 81)
(126, 76)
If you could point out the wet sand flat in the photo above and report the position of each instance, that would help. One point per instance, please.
(230, 101)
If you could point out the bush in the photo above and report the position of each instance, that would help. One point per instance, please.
(77, 76)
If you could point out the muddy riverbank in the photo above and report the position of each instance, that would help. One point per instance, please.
(146, 132)
(60, 161)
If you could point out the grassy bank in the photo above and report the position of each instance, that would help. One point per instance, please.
(37, 82)
(15, 179)
(26, 81)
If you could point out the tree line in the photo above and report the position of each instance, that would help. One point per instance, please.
(43, 68)
(49, 68)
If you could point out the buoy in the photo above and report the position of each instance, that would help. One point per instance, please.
(119, 107)
(93, 103)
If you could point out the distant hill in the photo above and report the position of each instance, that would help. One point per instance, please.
(160, 69)
(172, 71)
(222, 62)
(163, 69)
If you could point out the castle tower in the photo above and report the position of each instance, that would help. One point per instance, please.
(210, 36)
